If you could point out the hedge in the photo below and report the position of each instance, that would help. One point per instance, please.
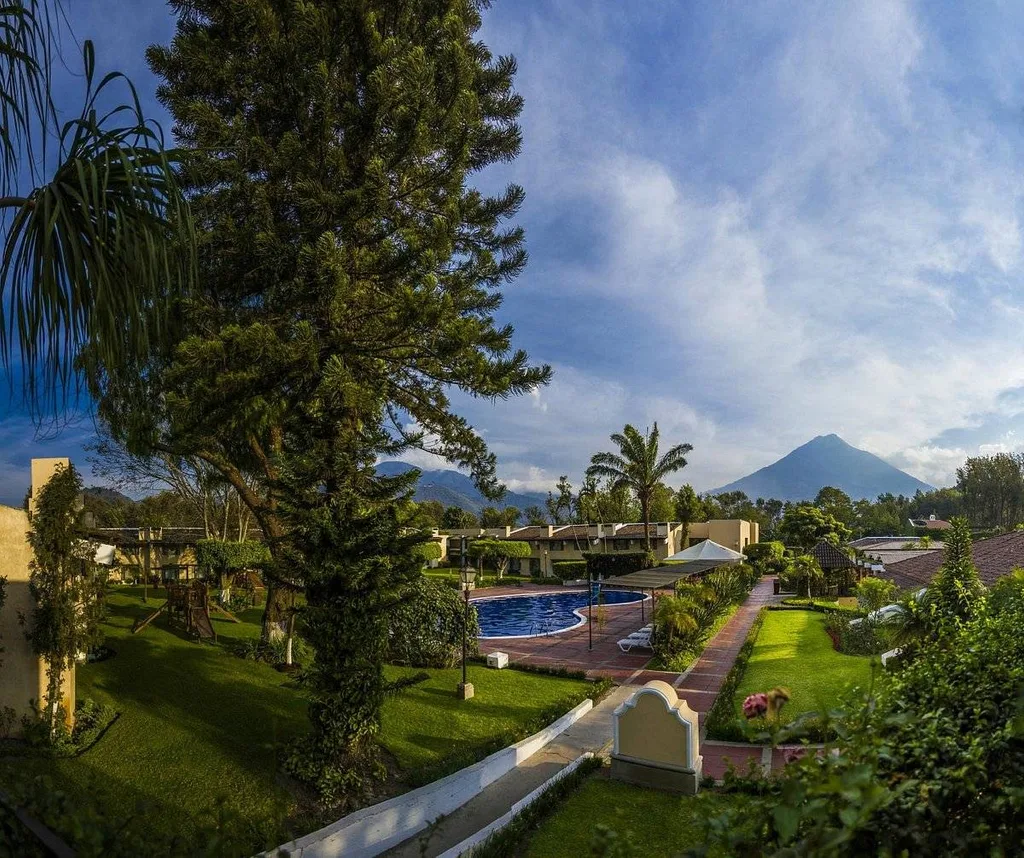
(721, 723)
(600, 565)
(569, 569)
(217, 557)
(802, 604)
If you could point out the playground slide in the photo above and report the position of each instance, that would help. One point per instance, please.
(201, 623)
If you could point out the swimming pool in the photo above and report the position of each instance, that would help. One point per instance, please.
(541, 613)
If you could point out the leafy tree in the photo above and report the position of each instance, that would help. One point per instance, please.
(663, 506)
(875, 593)
(535, 515)
(457, 518)
(638, 466)
(689, 507)
(94, 233)
(560, 505)
(343, 253)
(431, 512)
(956, 590)
(349, 280)
(992, 488)
(499, 552)
(64, 585)
(493, 517)
(803, 574)
(597, 502)
(804, 526)
(768, 558)
(836, 503)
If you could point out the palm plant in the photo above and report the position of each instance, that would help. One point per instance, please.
(638, 466)
(95, 237)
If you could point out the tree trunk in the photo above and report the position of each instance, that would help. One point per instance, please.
(275, 613)
(645, 507)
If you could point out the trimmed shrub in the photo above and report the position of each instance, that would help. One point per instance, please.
(428, 551)
(217, 558)
(426, 629)
(609, 565)
(1007, 592)
(875, 593)
(570, 569)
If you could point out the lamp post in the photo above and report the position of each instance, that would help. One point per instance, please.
(466, 576)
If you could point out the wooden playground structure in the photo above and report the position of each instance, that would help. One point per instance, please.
(188, 606)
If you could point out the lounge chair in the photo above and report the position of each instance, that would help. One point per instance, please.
(641, 639)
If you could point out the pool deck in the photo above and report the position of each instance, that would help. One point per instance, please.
(571, 649)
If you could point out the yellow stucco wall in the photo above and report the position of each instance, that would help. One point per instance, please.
(22, 672)
(730, 533)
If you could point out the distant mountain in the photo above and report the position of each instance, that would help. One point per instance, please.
(453, 488)
(826, 461)
(106, 494)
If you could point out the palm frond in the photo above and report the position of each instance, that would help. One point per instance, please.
(95, 254)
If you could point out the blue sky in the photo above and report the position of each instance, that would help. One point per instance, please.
(752, 223)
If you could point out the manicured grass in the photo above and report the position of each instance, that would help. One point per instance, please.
(428, 722)
(794, 650)
(657, 823)
(199, 725)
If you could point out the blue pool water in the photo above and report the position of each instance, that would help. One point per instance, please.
(540, 614)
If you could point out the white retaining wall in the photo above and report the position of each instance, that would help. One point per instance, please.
(467, 845)
(373, 830)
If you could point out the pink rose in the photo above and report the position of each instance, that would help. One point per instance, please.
(755, 705)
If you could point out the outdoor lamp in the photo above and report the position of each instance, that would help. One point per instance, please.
(467, 576)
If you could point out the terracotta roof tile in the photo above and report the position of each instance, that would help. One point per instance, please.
(994, 557)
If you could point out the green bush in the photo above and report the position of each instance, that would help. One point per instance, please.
(428, 551)
(601, 565)
(930, 766)
(864, 638)
(875, 593)
(768, 558)
(215, 557)
(426, 629)
(569, 569)
(1007, 592)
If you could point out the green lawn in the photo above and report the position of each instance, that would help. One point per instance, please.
(657, 823)
(794, 650)
(198, 724)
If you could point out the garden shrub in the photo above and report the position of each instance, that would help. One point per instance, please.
(274, 651)
(428, 551)
(931, 765)
(426, 629)
(768, 558)
(569, 569)
(217, 558)
(1007, 591)
(601, 565)
(863, 638)
(875, 593)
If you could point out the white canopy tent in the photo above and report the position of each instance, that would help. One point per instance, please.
(707, 550)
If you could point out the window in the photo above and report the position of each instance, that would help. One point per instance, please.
(557, 545)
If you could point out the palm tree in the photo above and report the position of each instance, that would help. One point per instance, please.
(95, 237)
(638, 466)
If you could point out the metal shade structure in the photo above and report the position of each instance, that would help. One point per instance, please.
(708, 550)
(664, 577)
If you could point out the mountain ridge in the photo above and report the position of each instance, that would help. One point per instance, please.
(453, 488)
(826, 460)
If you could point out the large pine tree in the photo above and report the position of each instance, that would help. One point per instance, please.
(349, 277)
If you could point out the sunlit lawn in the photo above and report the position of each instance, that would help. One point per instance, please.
(653, 822)
(198, 724)
(794, 650)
